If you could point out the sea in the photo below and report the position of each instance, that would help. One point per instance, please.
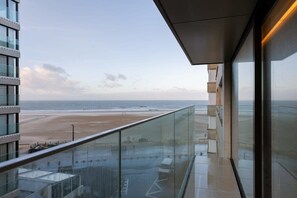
(111, 105)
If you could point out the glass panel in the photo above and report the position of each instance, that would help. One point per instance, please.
(8, 182)
(12, 40)
(3, 65)
(11, 150)
(280, 57)
(147, 159)
(3, 8)
(97, 164)
(12, 11)
(12, 96)
(3, 125)
(3, 36)
(90, 170)
(12, 125)
(3, 95)
(3, 152)
(191, 132)
(243, 115)
(12, 66)
(153, 163)
(181, 124)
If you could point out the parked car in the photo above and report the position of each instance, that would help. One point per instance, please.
(166, 167)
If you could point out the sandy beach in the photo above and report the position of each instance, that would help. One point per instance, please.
(53, 127)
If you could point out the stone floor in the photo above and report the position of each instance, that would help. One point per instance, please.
(212, 177)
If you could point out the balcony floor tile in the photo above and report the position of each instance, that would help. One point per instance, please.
(212, 177)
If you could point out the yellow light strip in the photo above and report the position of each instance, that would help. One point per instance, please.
(279, 22)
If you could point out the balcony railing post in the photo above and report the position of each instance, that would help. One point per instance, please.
(189, 135)
(120, 164)
(174, 161)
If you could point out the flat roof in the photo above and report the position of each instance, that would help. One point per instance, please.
(43, 175)
(56, 177)
(34, 174)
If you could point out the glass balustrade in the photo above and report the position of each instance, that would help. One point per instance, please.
(150, 158)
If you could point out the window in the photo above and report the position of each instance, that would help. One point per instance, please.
(12, 39)
(3, 95)
(3, 9)
(12, 67)
(9, 10)
(3, 36)
(243, 115)
(12, 95)
(12, 11)
(280, 57)
(11, 150)
(12, 126)
(3, 152)
(3, 65)
(3, 125)
(8, 124)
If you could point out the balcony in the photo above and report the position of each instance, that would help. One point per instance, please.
(211, 110)
(150, 158)
(211, 87)
(212, 67)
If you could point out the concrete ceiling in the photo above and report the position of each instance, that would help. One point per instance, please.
(207, 30)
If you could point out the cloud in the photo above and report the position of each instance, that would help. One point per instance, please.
(121, 76)
(110, 77)
(54, 69)
(48, 80)
(112, 81)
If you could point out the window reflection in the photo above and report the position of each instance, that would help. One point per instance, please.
(3, 12)
(280, 56)
(12, 11)
(243, 115)
(9, 10)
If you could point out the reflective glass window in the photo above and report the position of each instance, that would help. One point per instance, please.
(12, 11)
(3, 36)
(243, 115)
(3, 8)
(12, 40)
(280, 58)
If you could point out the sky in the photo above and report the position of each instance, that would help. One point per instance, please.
(103, 50)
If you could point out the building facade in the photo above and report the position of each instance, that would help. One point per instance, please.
(211, 109)
(9, 79)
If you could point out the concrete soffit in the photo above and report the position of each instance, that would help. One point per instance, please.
(207, 31)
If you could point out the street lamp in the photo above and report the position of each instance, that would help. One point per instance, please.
(72, 132)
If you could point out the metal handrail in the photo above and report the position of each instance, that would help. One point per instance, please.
(20, 161)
